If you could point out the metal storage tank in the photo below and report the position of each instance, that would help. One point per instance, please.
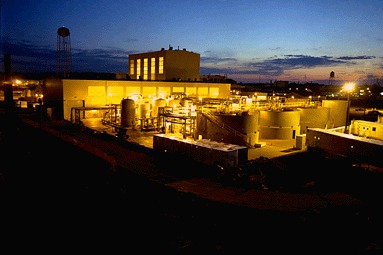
(160, 102)
(186, 102)
(174, 103)
(145, 110)
(128, 112)
(279, 124)
(246, 126)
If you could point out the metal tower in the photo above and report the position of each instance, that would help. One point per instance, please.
(64, 56)
(332, 78)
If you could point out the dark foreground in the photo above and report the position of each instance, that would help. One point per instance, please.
(60, 198)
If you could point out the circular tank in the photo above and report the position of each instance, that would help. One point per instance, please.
(246, 125)
(186, 102)
(279, 124)
(174, 103)
(128, 112)
(160, 102)
(63, 32)
(145, 110)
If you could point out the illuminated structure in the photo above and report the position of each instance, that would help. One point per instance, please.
(64, 55)
(165, 65)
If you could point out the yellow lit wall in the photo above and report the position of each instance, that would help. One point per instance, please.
(77, 93)
(165, 65)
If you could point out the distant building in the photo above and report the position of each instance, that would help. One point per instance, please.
(165, 65)
(213, 78)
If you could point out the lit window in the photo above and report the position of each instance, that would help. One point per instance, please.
(131, 65)
(161, 65)
(145, 69)
(153, 69)
(138, 69)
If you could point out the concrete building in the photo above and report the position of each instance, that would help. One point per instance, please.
(165, 65)
(71, 93)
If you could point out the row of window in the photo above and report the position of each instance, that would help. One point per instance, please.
(136, 69)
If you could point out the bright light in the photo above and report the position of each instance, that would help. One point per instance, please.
(348, 87)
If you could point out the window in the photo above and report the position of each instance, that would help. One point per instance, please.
(138, 69)
(161, 65)
(145, 69)
(131, 66)
(153, 68)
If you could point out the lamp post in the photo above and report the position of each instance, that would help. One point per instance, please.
(348, 87)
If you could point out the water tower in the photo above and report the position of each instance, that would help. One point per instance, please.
(332, 78)
(64, 57)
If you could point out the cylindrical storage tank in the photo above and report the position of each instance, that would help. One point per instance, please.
(279, 124)
(338, 112)
(160, 102)
(246, 125)
(174, 103)
(145, 110)
(186, 102)
(314, 118)
(128, 112)
(239, 129)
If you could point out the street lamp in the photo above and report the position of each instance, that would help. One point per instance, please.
(348, 87)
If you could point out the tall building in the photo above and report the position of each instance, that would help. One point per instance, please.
(165, 65)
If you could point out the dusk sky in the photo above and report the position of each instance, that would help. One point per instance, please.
(249, 41)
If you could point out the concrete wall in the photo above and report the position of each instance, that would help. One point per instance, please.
(367, 129)
(358, 149)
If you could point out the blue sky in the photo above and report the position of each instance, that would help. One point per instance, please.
(249, 41)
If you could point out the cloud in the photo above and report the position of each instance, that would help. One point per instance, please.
(27, 57)
(276, 66)
(356, 58)
(205, 60)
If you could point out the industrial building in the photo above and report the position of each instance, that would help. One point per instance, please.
(165, 93)
(165, 65)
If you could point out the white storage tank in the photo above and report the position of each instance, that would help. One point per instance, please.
(186, 101)
(160, 102)
(145, 110)
(128, 112)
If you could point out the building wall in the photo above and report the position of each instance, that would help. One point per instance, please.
(78, 93)
(358, 149)
(178, 65)
(367, 129)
